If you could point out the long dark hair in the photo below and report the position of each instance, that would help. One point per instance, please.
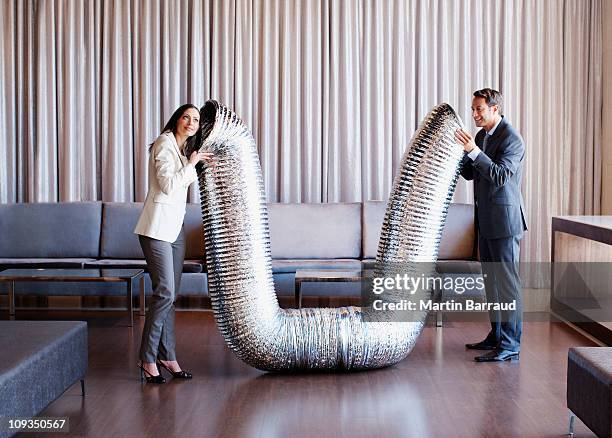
(171, 124)
(207, 120)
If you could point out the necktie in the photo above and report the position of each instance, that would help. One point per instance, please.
(485, 142)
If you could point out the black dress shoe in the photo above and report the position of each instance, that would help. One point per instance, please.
(482, 345)
(176, 374)
(159, 379)
(498, 356)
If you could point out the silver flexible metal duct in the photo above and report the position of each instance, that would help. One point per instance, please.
(239, 261)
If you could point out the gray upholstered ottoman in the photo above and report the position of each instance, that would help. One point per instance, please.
(40, 360)
(589, 388)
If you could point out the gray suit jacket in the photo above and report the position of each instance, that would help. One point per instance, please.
(497, 175)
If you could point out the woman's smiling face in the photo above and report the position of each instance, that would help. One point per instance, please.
(188, 123)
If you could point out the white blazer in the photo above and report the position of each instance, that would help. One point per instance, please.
(170, 175)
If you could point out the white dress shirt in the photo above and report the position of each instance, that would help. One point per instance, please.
(474, 152)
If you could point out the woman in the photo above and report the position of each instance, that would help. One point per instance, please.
(161, 235)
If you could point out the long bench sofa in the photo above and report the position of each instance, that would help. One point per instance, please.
(303, 236)
(40, 361)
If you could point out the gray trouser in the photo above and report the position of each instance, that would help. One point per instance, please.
(500, 258)
(165, 265)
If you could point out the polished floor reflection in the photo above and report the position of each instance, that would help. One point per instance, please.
(436, 392)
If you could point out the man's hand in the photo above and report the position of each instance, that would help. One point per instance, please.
(465, 139)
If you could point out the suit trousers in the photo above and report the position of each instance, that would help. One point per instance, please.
(500, 259)
(165, 265)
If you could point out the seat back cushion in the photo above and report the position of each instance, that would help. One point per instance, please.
(458, 237)
(49, 230)
(373, 216)
(119, 241)
(315, 231)
(194, 232)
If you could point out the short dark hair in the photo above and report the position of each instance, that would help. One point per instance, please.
(492, 97)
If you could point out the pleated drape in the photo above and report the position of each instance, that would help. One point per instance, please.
(332, 89)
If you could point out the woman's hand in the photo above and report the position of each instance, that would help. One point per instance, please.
(197, 157)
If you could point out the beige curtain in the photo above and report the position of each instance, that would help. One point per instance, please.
(333, 90)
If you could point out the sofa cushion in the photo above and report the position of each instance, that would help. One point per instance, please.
(443, 266)
(50, 230)
(70, 288)
(194, 284)
(119, 241)
(458, 267)
(43, 263)
(284, 285)
(368, 264)
(188, 265)
(373, 215)
(458, 237)
(315, 231)
(194, 232)
(191, 284)
(285, 266)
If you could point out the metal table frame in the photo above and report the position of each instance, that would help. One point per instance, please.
(54, 277)
(323, 276)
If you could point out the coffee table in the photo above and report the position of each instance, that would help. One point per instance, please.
(323, 276)
(127, 276)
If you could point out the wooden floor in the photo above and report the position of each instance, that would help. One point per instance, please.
(438, 391)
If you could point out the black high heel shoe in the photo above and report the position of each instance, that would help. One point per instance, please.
(150, 377)
(176, 374)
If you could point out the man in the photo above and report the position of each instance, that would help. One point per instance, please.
(494, 160)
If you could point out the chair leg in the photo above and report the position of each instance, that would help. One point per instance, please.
(570, 430)
(130, 302)
(298, 294)
(82, 387)
(439, 318)
(142, 296)
(11, 298)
